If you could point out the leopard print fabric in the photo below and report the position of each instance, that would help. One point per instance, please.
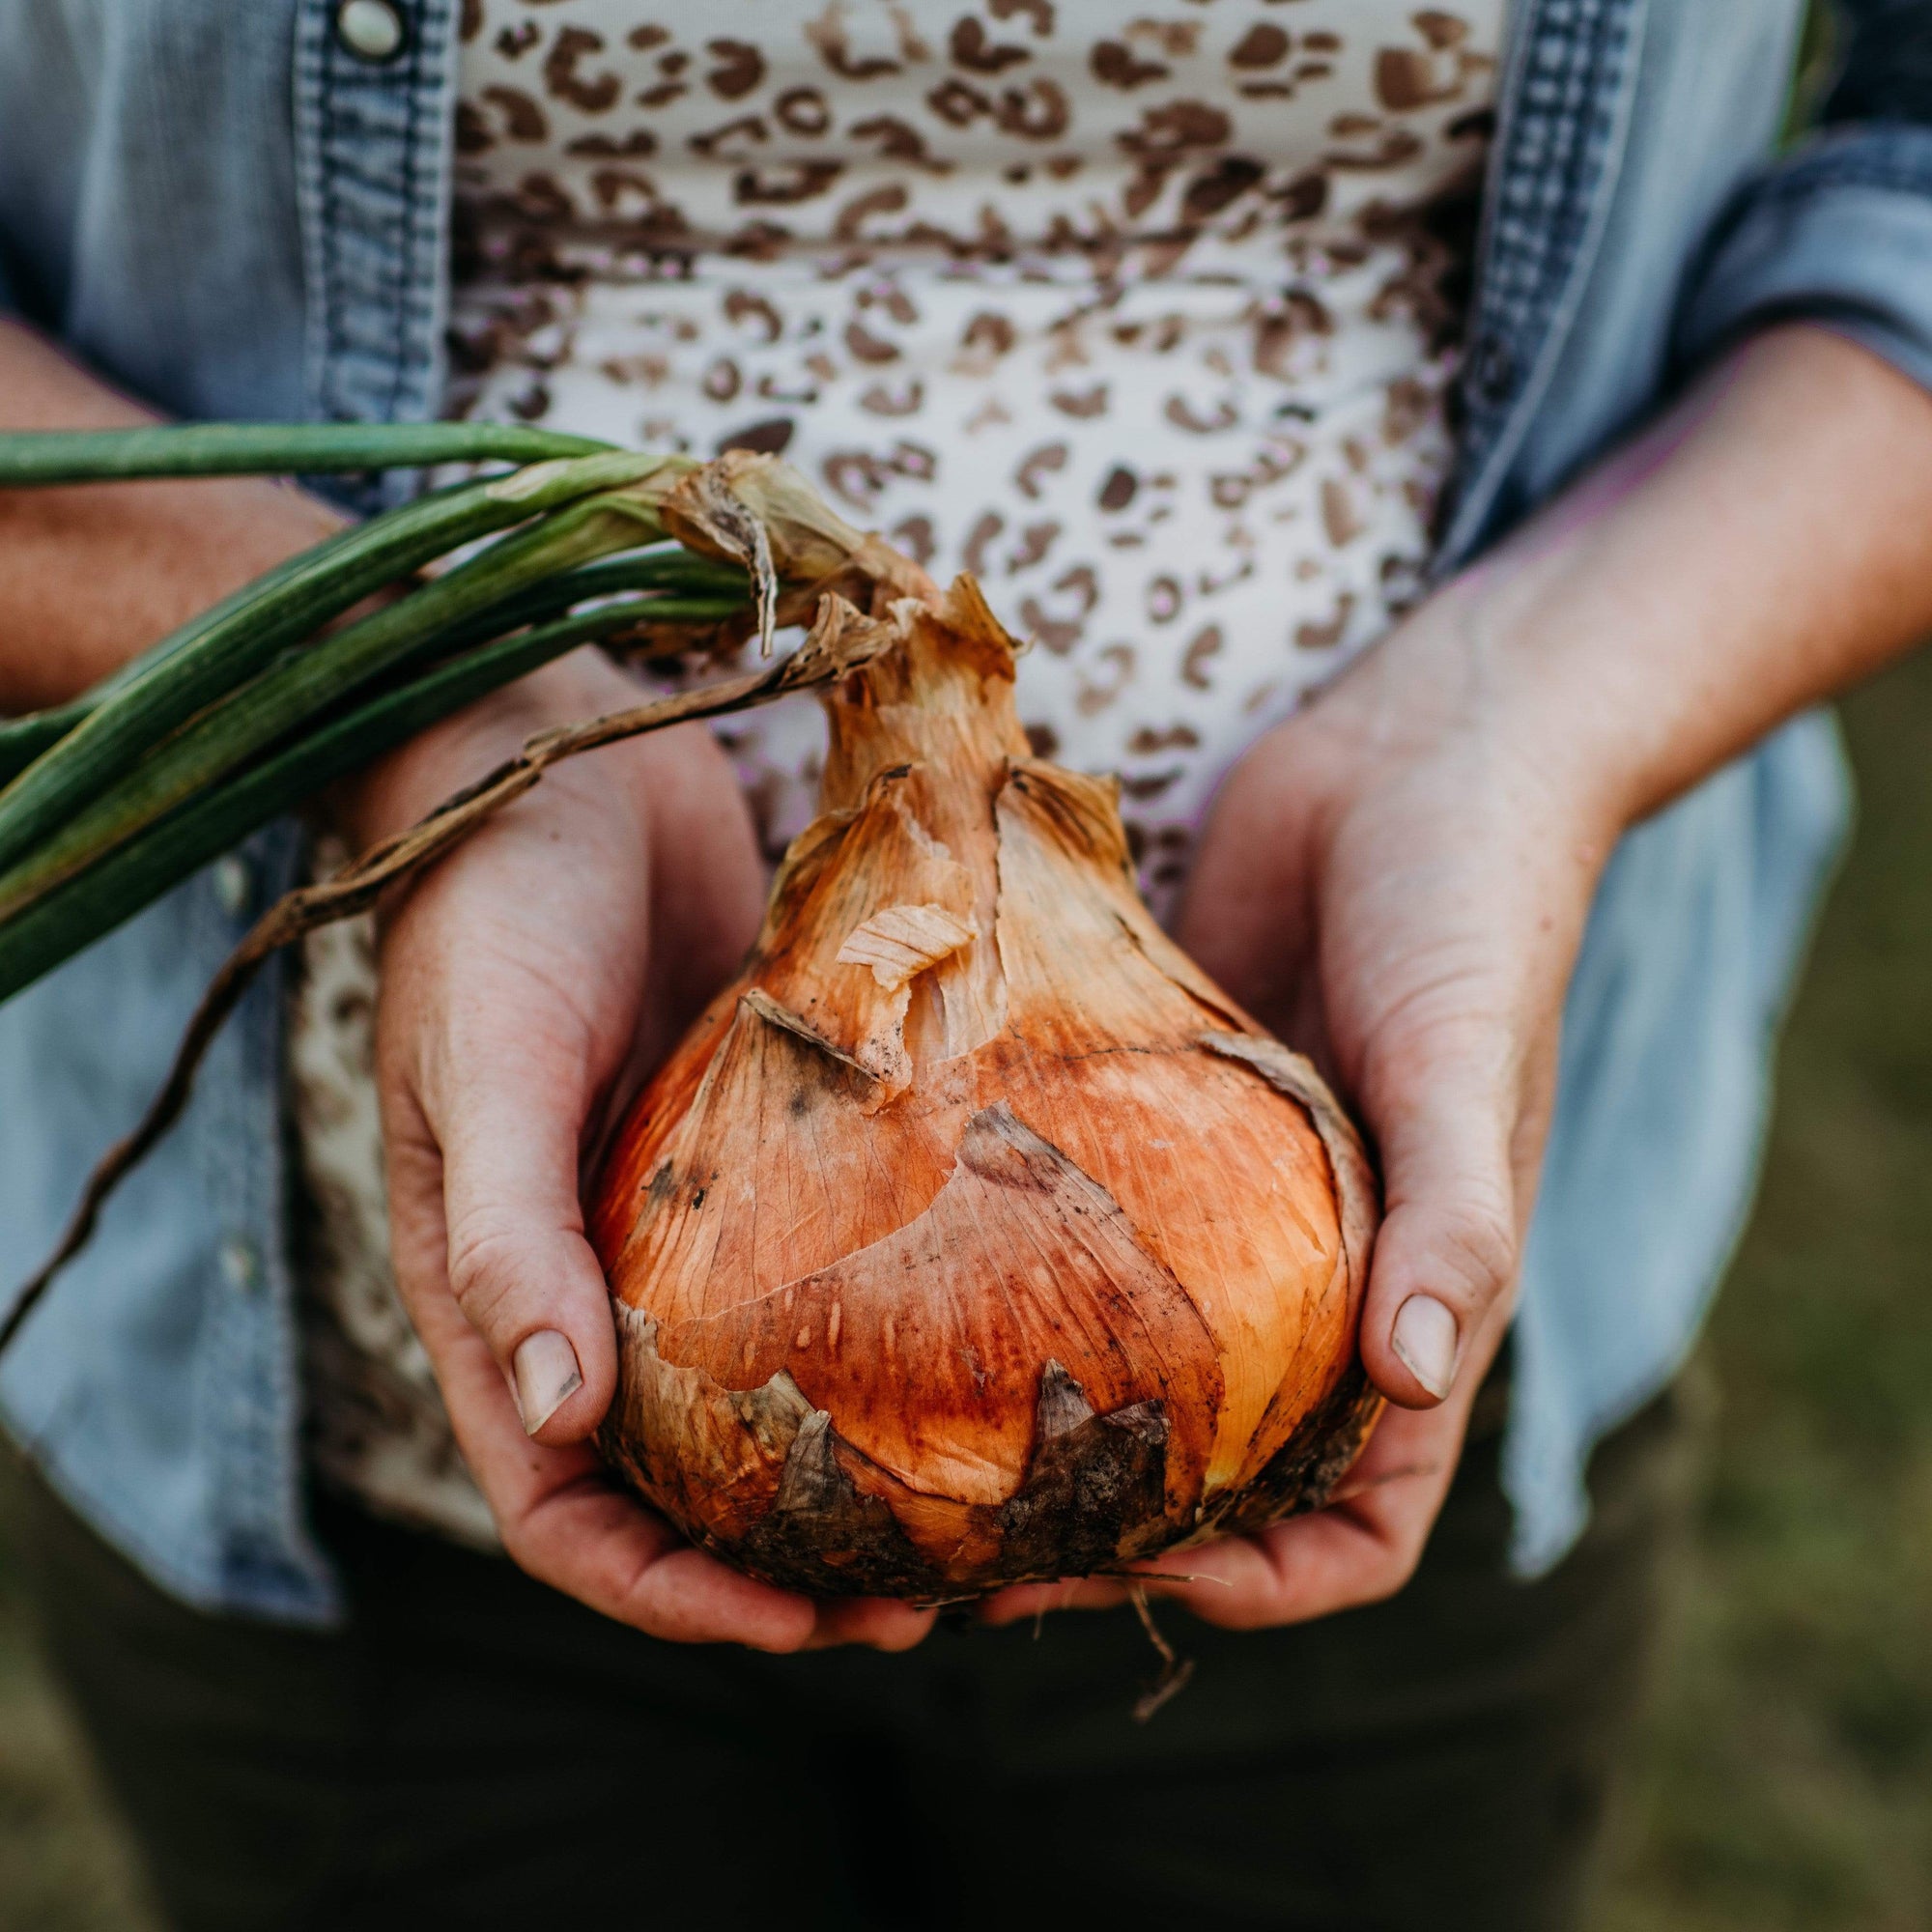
(1147, 318)
(1144, 320)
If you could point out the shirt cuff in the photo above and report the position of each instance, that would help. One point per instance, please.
(1838, 233)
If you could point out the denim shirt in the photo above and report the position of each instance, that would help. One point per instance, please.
(219, 205)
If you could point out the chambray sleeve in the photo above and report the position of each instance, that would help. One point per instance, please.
(1839, 230)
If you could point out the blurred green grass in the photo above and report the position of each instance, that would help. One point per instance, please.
(1785, 1778)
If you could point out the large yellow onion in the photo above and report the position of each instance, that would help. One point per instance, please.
(973, 1235)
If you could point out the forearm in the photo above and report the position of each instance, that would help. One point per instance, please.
(1763, 547)
(89, 577)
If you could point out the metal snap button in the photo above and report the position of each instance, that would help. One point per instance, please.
(234, 884)
(372, 30)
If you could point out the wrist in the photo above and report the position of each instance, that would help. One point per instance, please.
(1539, 659)
(1485, 680)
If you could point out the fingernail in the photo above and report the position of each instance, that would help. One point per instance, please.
(546, 1377)
(1425, 1338)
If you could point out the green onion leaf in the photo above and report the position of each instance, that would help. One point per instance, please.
(67, 920)
(33, 457)
(211, 656)
(302, 682)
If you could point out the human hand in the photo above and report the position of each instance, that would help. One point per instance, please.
(528, 983)
(1396, 881)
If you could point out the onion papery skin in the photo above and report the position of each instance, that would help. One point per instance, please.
(972, 1235)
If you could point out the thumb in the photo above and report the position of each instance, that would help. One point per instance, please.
(1246, 915)
(506, 1241)
(1445, 1259)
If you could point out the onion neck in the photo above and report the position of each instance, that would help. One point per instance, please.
(943, 697)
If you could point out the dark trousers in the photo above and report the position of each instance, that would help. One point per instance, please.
(478, 1751)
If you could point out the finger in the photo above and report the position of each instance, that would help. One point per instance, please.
(875, 1622)
(507, 1130)
(1444, 1105)
(1361, 1549)
(708, 891)
(1358, 1550)
(708, 881)
(583, 1536)
(1245, 914)
(1308, 1567)
(565, 1522)
(1033, 1600)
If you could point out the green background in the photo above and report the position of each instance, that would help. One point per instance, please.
(1784, 1782)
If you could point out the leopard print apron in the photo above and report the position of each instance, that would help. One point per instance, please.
(1145, 318)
